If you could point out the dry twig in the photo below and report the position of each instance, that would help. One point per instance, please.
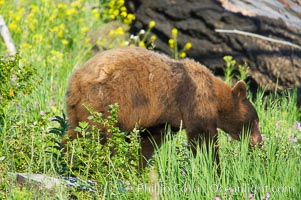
(258, 36)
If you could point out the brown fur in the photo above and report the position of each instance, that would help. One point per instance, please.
(152, 90)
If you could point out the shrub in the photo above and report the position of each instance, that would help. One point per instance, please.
(16, 80)
(89, 157)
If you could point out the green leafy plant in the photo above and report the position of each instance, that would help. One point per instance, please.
(230, 63)
(243, 71)
(60, 131)
(229, 73)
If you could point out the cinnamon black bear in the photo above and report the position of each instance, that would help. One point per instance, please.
(152, 90)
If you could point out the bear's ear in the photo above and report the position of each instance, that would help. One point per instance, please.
(240, 90)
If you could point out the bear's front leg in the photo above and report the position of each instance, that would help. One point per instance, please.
(151, 139)
(205, 136)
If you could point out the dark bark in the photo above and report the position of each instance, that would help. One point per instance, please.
(270, 63)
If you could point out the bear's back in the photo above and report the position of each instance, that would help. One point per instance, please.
(148, 86)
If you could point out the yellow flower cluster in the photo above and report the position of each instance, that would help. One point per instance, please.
(173, 44)
(14, 24)
(143, 38)
(115, 10)
(49, 27)
(96, 13)
(56, 54)
(116, 32)
(46, 32)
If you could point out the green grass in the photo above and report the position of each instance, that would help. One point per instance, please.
(51, 36)
(274, 168)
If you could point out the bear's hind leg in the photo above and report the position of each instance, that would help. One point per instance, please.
(72, 112)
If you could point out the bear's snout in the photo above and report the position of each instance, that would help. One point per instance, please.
(256, 138)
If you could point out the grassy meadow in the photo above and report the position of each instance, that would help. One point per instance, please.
(53, 37)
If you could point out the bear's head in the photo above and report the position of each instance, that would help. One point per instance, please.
(241, 116)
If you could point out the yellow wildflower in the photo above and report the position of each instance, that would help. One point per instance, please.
(100, 42)
(124, 43)
(76, 4)
(60, 34)
(13, 27)
(84, 29)
(95, 12)
(17, 18)
(62, 6)
(123, 9)
(153, 38)
(121, 2)
(171, 43)
(123, 14)
(174, 32)
(112, 32)
(151, 24)
(56, 53)
(11, 93)
(60, 30)
(34, 8)
(119, 31)
(182, 54)
(131, 17)
(70, 12)
(62, 26)
(32, 25)
(54, 29)
(65, 42)
(25, 45)
(38, 37)
(11, 13)
(116, 13)
(112, 17)
(80, 20)
(53, 16)
(188, 46)
(141, 44)
(87, 41)
(54, 109)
